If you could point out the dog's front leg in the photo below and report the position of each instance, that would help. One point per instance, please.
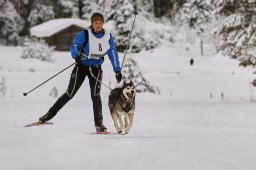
(130, 116)
(126, 121)
(121, 124)
(114, 117)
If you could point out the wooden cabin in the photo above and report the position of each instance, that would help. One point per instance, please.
(59, 32)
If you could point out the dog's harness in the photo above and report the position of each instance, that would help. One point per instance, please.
(125, 109)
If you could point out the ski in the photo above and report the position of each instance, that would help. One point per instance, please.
(104, 133)
(38, 124)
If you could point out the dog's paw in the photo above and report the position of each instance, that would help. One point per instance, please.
(123, 132)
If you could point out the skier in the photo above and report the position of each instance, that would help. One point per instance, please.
(88, 49)
(191, 61)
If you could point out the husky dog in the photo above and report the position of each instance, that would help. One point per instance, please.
(122, 103)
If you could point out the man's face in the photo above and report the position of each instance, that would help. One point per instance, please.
(97, 25)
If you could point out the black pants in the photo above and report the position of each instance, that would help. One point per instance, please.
(77, 78)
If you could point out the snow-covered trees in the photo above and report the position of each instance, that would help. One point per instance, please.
(91, 6)
(38, 49)
(66, 8)
(122, 13)
(195, 13)
(3, 87)
(238, 30)
(10, 21)
(131, 71)
(40, 13)
(147, 5)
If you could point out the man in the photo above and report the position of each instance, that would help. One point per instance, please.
(88, 49)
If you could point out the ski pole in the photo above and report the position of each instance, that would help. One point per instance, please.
(25, 94)
(128, 41)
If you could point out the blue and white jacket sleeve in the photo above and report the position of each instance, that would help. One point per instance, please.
(77, 45)
(113, 55)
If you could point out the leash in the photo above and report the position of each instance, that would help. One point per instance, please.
(90, 69)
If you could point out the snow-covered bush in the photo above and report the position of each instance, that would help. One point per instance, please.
(238, 30)
(2, 87)
(131, 71)
(54, 92)
(151, 44)
(38, 49)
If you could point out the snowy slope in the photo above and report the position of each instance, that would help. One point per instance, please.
(183, 128)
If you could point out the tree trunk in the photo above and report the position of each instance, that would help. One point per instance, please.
(202, 47)
(15, 41)
(80, 6)
(7, 40)
(157, 8)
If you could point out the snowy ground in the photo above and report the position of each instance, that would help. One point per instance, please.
(181, 129)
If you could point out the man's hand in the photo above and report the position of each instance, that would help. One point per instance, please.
(78, 60)
(118, 76)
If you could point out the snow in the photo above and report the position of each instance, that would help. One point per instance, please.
(51, 27)
(153, 29)
(183, 128)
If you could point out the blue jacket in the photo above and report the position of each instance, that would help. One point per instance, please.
(77, 45)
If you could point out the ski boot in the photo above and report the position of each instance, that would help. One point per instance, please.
(100, 128)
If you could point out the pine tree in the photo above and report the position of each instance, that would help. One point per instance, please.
(238, 31)
(91, 6)
(146, 5)
(131, 71)
(66, 8)
(11, 22)
(24, 9)
(40, 13)
(122, 13)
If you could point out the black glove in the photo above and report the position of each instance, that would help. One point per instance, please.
(118, 76)
(78, 60)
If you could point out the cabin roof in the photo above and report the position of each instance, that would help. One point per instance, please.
(54, 26)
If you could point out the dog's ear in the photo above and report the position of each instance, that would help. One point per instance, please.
(123, 83)
(131, 83)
